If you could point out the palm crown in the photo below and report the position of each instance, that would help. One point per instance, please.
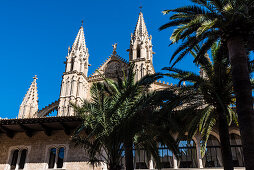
(210, 93)
(121, 113)
(209, 21)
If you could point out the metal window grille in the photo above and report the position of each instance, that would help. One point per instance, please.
(188, 157)
(213, 158)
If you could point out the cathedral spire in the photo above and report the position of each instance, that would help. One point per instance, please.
(140, 29)
(77, 59)
(79, 43)
(74, 85)
(141, 52)
(29, 105)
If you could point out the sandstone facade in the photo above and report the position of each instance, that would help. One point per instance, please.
(38, 146)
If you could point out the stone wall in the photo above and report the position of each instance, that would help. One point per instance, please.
(38, 151)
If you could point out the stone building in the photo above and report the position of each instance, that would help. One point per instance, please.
(36, 141)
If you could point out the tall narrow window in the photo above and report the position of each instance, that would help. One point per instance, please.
(148, 53)
(212, 156)
(22, 159)
(52, 158)
(237, 150)
(138, 52)
(60, 158)
(188, 152)
(18, 158)
(14, 159)
(166, 156)
(142, 70)
(72, 64)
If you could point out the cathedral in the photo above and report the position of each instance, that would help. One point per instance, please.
(38, 141)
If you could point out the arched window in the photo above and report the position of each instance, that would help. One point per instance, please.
(14, 159)
(141, 159)
(237, 150)
(142, 70)
(131, 53)
(138, 52)
(22, 159)
(166, 156)
(52, 158)
(60, 158)
(188, 157)
(212, 156)
(72, 64)
(18, 158)
(56, 158)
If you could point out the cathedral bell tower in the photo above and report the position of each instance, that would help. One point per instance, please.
(140, 51)
(74, 86)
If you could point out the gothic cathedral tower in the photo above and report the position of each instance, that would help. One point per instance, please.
(140, 51)
(74, 86)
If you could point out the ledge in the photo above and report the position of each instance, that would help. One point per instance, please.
(32, 125)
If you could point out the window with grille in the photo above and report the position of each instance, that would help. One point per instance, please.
(188, 158)
(213, 157)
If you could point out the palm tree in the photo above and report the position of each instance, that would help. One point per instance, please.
(212, 94)
(99, 139)
(120, 111)
(232, 22)
(138, 110)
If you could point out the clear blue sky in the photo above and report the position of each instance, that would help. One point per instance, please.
(35, 35)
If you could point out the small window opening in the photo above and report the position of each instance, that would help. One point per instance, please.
(138, 52)
(60, 158)
(72, 64)
(56, 158)
(52, 157)
(142, 70)
(14, 159)
(22, 159)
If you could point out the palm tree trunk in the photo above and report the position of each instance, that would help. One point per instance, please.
(128, 145)
(244, 104)
(225, 141)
